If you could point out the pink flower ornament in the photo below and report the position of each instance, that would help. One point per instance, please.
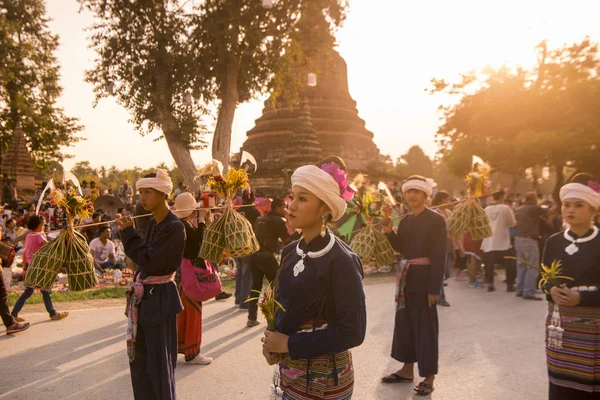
(595, 186)
(341, 177)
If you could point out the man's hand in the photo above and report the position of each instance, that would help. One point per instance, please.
(387, 224)
(124, 222)
(432, 299)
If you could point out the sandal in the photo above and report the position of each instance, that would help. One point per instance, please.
(395, 378)
(424, 389)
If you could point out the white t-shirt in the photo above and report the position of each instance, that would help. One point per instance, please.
(101, 251)
(501, 219)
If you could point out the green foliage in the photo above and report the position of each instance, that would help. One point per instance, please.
(112, 178)
(414, 162)
(29, 88)
(518, 118)
(147, 63)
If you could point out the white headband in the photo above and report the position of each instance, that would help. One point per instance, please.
(581, 192)
(423, 186)
(162, 182)
(322, 185)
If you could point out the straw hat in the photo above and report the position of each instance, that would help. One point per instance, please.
(186, 203)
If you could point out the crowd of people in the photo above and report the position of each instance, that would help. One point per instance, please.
(319, 278)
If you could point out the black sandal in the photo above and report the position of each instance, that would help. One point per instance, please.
(395, 378)
(424, 389)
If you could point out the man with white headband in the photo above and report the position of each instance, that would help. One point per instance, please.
(153, 301)
(572, 340)
(422, 241)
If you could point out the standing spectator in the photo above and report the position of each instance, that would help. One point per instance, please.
(91, 231)
(243, 277)
(497, 247)
(33, 242)
(12, 326)
(103, 250)
(85, 190)
(527, 235)
(125, 193)
(94, 193)
(180, 189)
(269, 230)
(6, 190)
(443, 197)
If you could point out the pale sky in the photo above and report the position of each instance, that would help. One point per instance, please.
(392, 47)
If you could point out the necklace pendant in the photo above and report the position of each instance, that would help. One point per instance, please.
(571, 249)
(299, 267)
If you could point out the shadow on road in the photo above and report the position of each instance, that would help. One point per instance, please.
(71, 360)
(251, 334)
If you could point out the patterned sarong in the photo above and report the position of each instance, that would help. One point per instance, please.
(189, 327)
(323, 381)
(401, 274)
(577, 364)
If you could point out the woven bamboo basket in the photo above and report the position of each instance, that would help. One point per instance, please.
(238, 236)
(213, 241)
(46, 263)
(363, 243)
(469, 216)
(384, 253)
(79, 263)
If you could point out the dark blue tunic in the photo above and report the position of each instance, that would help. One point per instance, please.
(416, 326)
(329, 289)
(583, 266)
(153, 370)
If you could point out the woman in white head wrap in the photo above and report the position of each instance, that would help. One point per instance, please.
(574, 301)
(320, 287)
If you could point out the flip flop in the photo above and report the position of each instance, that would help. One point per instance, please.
(395, 378)
(424, 389)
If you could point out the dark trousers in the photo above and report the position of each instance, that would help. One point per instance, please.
(7, 318)
(46, 295)
(153, 370)
(243, 280)
(562, 393)
(416, 334)
(262, 264)
(493, 258)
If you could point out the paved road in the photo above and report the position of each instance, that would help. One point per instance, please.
(491, 348)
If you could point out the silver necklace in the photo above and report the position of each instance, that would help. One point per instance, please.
(299, 267)
(573, 248)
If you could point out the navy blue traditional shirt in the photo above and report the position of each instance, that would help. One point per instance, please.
(329, 289)
(159, 254)
(583, 266)
(419, 236)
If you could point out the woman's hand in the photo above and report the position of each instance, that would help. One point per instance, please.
(564, 296)
(275, 342)
(272, 358)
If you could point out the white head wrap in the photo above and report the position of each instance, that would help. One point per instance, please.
(581, 192)
(162, 182)
(322, 185)
(424, 186)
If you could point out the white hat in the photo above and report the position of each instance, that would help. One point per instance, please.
(186, 203)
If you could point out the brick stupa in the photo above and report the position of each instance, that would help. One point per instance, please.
(326, 123)
(17, 162)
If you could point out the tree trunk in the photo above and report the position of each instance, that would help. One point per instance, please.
(560, 181)
(183, 158)
(221, 146)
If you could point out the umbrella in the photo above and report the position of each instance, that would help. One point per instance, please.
(108, 204)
